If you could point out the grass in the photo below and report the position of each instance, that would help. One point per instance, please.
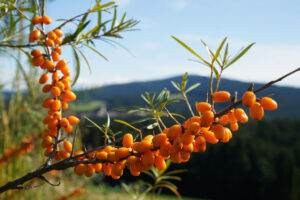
(86, 107)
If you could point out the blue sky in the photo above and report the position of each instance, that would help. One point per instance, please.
(273, 24)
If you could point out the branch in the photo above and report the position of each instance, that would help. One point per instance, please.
(226, 110)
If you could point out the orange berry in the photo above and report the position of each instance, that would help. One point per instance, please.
(102, 155)
(200, 141)
(97, 167)
(48, 102)
(38, 61)
(207, 118)
(79, 153)
(248, 99)
(240, 115)
(55, 76)
(43, 78)
(268, 103)
(51, 35)
(65, 71)
(203, 106)
(61, 64)
(89, 170)
(122, 152)
(210, 137)
(234, 126)
(224, 120)
(127, 140)
(174, 131)
(189, 147)
(164, 149)
(36, 34)
(58, 41)
(221, 96)
(218, 130)
(55, 91)
(68, 146)
(47, 88)
(231, 116)
(49, 43)
(194, 128)
(228, 136)
(176, 157)
(36, 53)
(57, 115)
(64, 154)
(55, 56)
(187, 123)
(69, 95)
(160, 163)
(159, 139)
(68, 129)
(56, 105)
(73, 120)
(58, 32)
(46, 19)
(57, 50)
(79, 169)
(111, 156)
(49, 65)
(187, 138)
(256, 111)
(36, 20)
(185, 156)
(64, 106)
(148, 159)
(141, 147)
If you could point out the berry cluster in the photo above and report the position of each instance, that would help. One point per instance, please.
(176, 142)
(25, 146)
(59, 87)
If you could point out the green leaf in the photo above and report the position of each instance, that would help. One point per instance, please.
(219, 50)
(149, 174)
(77, 61)
(225, 54)
(178, 171)
(190, 50)
(107, 124)
(85, 59)
(93, 49)
(239, 55)
(100, 7)
(127, 124)
(192, 87)
(92, 122)
(174, 190)
(184, 81)
(175, 86)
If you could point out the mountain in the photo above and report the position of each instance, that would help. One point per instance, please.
(120, 95)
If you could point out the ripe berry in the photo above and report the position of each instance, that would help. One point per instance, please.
(210, 137)
(55, 91)
(174, 131)
(49, 43)
(37, 61)
(101, 155)
(218, 130)
(36, 20)
(234, 126)
(58, 32)
(73, 120)
(160, 163)
(256, 111)
(240, 115)
(194, 128)
(36, 53)
(207, 118)
(69, 95)
(61, 64)
(43, 78)
(248, 99)
(203, 106)
(127, 140)
(68, 146)
(221, 96)
(46, 19)
(159, 139)
(51, 35)
(55, 56)
(268, 103)
(35, 35)
(187, 138)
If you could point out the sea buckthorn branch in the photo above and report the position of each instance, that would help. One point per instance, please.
(226, 110)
